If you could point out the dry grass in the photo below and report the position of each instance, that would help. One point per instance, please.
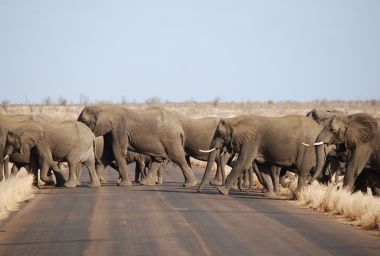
(360, 209)
(197, 110)
(14, 191)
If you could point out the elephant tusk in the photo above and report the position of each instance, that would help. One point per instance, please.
(222, 154)
(234, 158)
(207, 151)
(314, 144)
(5, 158)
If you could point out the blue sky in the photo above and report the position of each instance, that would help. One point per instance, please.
(180, 50)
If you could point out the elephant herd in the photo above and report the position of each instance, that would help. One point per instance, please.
(315, 147)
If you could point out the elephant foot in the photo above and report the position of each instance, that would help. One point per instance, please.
(147, 182)
(189, 184)
(103, 180)
(124, 182)
(79, 183)
(94, 185)
(216, 182)
(295, 196)
(223, 190)
(159, 181)
(270, 195)
(70, 184)
(235, 187)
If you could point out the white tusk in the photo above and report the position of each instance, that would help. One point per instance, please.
(233, 159)
(6, 157)
(222, 154)
(207, 151)
(314, 144)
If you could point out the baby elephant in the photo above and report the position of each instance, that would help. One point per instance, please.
(68, 141)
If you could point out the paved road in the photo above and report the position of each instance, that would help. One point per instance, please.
(170, 220)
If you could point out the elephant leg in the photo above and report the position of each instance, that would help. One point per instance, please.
(244, 161)
(94, 179)
(159, 173)
(218, 179)
(240, 181)
(45, 166)
(178, 156)
(258, 173)
(72, 181)
(275, 173)
(1, 171)
(246, 178)
(139, 170)
(79, 173)
(122, 165)
(100, 171)
(250, 172)
(150, 179)
(266, 173)
(356, 164)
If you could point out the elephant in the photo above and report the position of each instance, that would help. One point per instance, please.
(69, 141)
(10, 122)
(360, 135)
(198, 135)
(151, 131)
(279, 141)
(104, 157)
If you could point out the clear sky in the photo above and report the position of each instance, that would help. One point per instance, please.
(197, 49)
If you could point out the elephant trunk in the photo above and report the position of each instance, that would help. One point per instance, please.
(349, 180)
(9, 149)
(320, 155)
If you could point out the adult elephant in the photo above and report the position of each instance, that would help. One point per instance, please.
(198, 135)
(279, 141)
(69, 141)
(360, 134)
(151, 131)
(11, 122)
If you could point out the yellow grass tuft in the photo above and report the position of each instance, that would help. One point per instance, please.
(363, 210)
(13, 191)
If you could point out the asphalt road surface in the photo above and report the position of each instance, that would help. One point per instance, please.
(170, 220)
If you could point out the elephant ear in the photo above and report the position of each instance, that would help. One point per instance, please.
(243, 132)
(361, 129)
(323, 116)
(30, 136)
(105, 123)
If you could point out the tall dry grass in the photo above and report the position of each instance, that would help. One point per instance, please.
(360, 209)
(13, 191)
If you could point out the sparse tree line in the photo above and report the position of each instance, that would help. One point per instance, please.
(322, 145)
